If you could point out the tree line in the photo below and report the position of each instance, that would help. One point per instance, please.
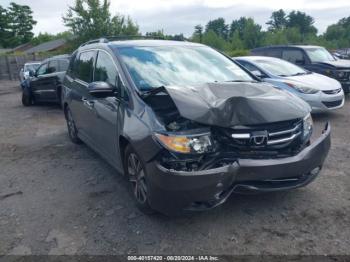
(90, 19)
(295, 27)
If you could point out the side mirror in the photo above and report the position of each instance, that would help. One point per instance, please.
(101, 89)
(257, 73)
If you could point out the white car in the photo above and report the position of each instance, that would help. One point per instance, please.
(322, 93)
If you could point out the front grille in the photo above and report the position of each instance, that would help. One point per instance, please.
(271, 139)
(345, 77)
(333, 103)
(264, 138)
(332, 92)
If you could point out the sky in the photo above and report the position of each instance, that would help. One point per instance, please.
(180, 16)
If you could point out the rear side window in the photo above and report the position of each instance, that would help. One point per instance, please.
(53, 66)
(85, 66)
(105, 70)
(293, 56)
(63, 64)
(273, 52)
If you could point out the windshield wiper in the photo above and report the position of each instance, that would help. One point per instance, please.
(153, 91)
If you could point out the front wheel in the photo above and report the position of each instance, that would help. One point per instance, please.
(136, 174)
(27, 99)
(72, 130)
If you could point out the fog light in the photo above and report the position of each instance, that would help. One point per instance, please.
(315, 171)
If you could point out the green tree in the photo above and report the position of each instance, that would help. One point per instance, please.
(338, 35)
(236, 42)
(20, 24)
(248, 31)
(293, 35)
(278, 20)
(218, 26)
(198, 33)
(4, 27)
(276, 37)
(210, 38)
(90, 19)
(303, 22)
(45, 37)
(42, 38)
(252, 35)
(122, 25)
(157, 34)
(238, 26)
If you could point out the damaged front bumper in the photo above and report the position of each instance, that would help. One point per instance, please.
(172, 191)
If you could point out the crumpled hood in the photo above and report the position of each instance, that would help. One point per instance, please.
(231, 104)
(339, 64)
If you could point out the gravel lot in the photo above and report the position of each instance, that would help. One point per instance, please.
(60, 198)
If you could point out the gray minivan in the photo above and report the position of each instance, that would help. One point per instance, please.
(186, 125)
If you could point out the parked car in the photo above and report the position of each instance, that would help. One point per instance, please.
(27, 68)
(320, 92)
(186, 124)
(343, 53)
(313, 58)
(45, 84)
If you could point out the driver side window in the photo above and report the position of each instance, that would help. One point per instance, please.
(42, 69)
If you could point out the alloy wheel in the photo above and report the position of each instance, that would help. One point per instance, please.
(71, 126)
(137, 178)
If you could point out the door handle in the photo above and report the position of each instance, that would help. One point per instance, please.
(88, 103)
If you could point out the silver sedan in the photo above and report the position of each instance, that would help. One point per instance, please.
(320, 92)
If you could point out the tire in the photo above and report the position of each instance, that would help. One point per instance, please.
(72, 130)
(136, 175)
(60, 98)
(27, 99)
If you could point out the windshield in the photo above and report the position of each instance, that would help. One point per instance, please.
(280, 67)
(151, 67)
(31, 67)
(319, 55)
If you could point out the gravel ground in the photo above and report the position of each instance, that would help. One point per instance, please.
(61, 198)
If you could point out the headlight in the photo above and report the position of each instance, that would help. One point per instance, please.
(307, 126)
(303, 89)
(186, 144)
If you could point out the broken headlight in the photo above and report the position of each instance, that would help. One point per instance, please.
(307, 126)
(185, 143)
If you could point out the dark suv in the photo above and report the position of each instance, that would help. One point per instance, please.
(45, 84)
(187, 125)
(313, 58)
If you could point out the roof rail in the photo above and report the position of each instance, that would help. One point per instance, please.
(130, 37)
(100, 40)
(106, 39)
